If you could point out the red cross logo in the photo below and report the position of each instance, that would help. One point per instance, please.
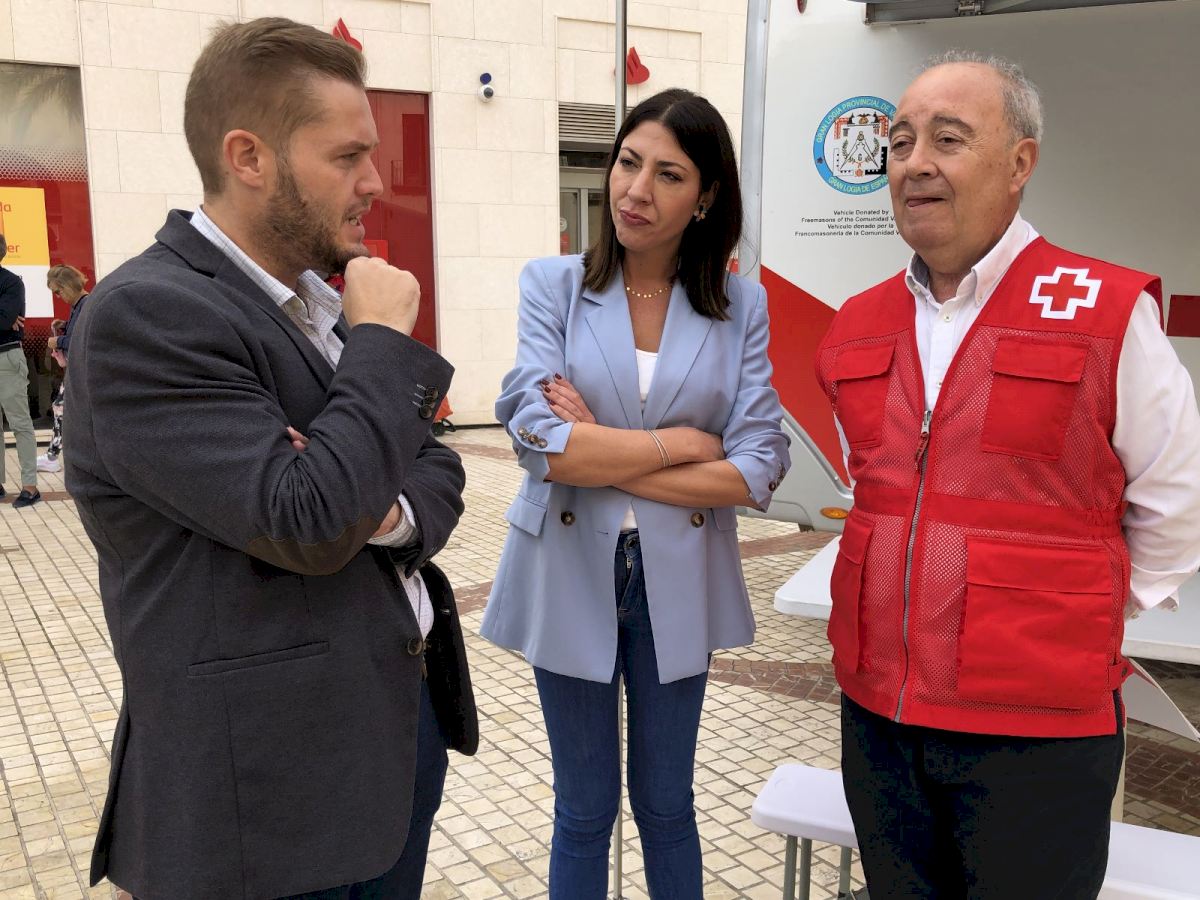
(1061, 296)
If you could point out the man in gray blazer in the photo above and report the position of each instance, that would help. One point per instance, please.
(250, 454)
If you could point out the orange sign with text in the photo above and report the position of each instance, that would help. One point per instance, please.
(23, 224)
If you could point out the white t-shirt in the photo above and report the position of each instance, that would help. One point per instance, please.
(646, 363)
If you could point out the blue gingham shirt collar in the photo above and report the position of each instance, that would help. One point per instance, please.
(323, 303)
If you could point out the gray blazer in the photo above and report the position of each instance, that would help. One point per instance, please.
(269, 658)
(554, 597)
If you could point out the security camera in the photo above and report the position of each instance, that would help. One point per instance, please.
(486, 91)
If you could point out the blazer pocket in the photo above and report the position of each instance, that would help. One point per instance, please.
(1039, 625)
(1034, 386)
(526, 514)
(861, 374)
(221, 666)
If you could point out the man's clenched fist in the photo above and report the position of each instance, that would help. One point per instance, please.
(379, 294)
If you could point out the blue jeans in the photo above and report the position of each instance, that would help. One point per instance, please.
(664, 719)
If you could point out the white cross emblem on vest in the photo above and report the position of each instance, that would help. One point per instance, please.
(1060, 297)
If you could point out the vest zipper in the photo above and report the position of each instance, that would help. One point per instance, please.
(921, 461)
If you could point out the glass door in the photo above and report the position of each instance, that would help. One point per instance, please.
(595, 202)
(45, 205)
(580, 199)
(570, 227)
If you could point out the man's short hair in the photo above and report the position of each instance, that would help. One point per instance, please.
(1022, 100)
(66, 277)
(258, 76)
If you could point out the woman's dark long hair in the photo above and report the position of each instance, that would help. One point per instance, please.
(707, 244)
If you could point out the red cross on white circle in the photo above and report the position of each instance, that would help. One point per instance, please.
(1060, 296)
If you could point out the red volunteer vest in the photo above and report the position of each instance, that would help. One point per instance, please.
(981, 580)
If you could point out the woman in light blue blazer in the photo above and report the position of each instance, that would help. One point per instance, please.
(642, 410)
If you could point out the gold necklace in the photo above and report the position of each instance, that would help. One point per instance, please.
(648, 295)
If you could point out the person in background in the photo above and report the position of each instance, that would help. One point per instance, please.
(67, 283)
(642, 410)
(14, 383)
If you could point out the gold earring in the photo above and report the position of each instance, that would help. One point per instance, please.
(700, 213)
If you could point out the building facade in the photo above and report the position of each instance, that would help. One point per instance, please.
(94, 96)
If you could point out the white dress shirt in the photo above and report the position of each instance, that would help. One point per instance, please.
(1157, 430)
(314, 307)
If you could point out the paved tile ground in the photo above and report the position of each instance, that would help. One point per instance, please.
(773, 702)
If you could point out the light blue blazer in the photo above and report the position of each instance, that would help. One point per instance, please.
(553, 598)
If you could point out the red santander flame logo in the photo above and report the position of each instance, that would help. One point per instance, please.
(635, 72)
(342, 33)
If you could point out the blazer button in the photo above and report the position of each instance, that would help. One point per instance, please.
(522, 432)
(771, 485)
(416, 647)
(567, 517)
(542, 442)
(697, 519)
(426, 412)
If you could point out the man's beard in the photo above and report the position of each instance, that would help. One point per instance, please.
(298, 233)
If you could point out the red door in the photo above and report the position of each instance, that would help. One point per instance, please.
(400, 225)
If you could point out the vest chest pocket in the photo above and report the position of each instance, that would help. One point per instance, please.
(861, 374)
(1034, 389)
(845, 587)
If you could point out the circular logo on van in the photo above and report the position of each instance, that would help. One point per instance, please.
(851, 145)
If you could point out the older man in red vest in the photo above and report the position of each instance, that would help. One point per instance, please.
(1025, 451)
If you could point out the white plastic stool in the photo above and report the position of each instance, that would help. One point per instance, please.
(1151, 864)
(805, 804)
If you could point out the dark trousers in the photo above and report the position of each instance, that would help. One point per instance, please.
(664, 720)
(948, 815)
(403, 880)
